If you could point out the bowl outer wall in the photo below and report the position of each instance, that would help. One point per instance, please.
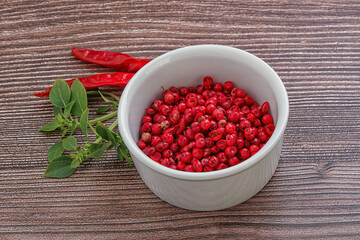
(202, 53)
(213, 194)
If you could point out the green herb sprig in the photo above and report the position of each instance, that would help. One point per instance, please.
(71, 112)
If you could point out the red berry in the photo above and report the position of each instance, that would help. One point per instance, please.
(231, 139)
(200, 143)
(239, 102)
(249, 133)
(240, 93)
(230, 151)
(197, 153)
(168, 153)
(230, 128)
(161, 146)
(262, 136)
(228, 85)
(156, 128)
(221, 166)
(165, 109)
(184, 91)
(186, 157)
(233, 116)
(244, 124)
(182, 107)
(183, 141)
(181, 165)
(222, 157)
(244, 153)
(155, 140)
(269, 129)
(174, 147)
(189, 133)
(218, 114)
(208, 169)
(208, 81)
(149, 150)
(256, 112)
(189, 168)
(141, 144)
(267, 119)
(167, 137)
(213, 161)
(218, 87)
(210, 108)
(195, 126)
(221, 144)
(169, 98)
(165, 124)
(248, 100)
(146, 119)
(174, 116)
(254, 148)
(146, 137)
(265, 108)
(150, 111)
(240, 143)
(251, 117)
(198, 167)
(245, 109)
(156, 156)
(233, 161)
(215, 135)
(191, 102)
(156, 104)
(165, 162)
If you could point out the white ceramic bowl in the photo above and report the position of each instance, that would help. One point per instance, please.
(187, 66)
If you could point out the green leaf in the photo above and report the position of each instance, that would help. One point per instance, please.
(60, 94)
(79, 96)
(102, 109)
(105, 133)
(123, 153)
(96, 150)
(84, 121)
(70, 143)
(49, 127)
(74, 125)
(60, 168)
(68, 108)
(58, 118)
(111, 146)
(57, 111)
(75, 163)
(55, 151)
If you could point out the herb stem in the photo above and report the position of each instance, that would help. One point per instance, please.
(103, 118)
(113, 125)
(111, 95)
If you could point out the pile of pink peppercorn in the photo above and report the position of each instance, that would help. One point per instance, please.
(207, 128)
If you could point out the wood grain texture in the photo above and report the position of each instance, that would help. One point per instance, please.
(314, 47)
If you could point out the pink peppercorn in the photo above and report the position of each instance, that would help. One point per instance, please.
(207, 128)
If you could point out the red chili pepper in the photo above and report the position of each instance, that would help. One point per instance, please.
(116, 60)
(107, 79)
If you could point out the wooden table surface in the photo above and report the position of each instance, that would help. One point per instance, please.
(314, 46)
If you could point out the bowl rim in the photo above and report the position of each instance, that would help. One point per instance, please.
(123, 121)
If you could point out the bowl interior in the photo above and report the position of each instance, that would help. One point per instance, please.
(187, 67)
